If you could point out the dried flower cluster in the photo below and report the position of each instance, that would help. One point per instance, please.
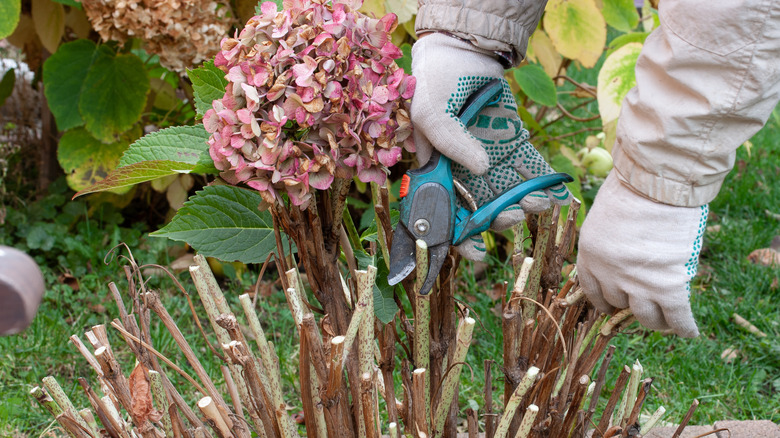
(184, 33)
(314, 93)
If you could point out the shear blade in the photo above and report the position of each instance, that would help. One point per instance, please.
(402, 255)
(438, 254)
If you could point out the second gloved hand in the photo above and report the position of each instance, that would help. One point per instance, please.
(493, 154)
(640, 254)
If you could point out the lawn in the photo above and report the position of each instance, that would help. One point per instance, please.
(70, 244)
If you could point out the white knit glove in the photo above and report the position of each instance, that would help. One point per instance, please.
(640, 254)
(491, 155)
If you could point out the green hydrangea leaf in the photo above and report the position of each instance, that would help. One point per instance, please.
(536, 84)
(7, 85)
(405, 62)
(616, 78)
(114, 93)
(622, 40)
(385, 307)
(620, 14)
(10, 10)
(185, 145)
(86, 160)
(209, 84)
(224, 222)
(63, 77)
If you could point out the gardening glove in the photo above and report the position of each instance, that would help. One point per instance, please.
(491, 155)
(640, 254)
(21, 290)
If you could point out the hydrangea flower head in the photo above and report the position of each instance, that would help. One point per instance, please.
(313, 94)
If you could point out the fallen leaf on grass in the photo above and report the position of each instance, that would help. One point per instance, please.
(729, 354)
(765, 257)
(69, 280)
(183, 263)
(495, 292)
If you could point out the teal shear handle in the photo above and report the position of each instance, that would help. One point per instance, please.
(480, 220)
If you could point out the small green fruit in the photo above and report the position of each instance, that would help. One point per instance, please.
(598, 161)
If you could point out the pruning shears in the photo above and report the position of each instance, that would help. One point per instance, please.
(429, 211)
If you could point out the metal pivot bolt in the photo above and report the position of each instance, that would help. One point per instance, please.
(422, 226)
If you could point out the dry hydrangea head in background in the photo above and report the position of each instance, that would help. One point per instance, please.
(314, 94)
(184, 33)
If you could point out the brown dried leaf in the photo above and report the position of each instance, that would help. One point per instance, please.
(141, 396)
(69, 280)
(765, 257)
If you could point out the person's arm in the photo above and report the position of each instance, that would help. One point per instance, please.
(707, 80)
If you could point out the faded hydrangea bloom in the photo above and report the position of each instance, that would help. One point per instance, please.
(313, 94)
(184, 33)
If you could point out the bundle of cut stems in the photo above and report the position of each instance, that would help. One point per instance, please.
(349, 360)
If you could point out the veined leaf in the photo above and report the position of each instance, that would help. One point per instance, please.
(209, 84)
(621, 14)
(114, 93)
(224, 222)
(185, 145)
(135, 173)
(10, 10)
(385, 307)
(85, 159)
(536, 84)
(616, 78)
(577, 29)
(63, 77)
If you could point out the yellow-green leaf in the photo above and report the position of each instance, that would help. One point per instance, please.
(49, 20)
(9, 16)
(577, 29)
(376, 7)
(404, 9)
(541, 50)
(616, 77)
(86, 159)
(536, 84)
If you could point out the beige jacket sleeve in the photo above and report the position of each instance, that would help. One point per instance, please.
(707, 80)
(496, 25)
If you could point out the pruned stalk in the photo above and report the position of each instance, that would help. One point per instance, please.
(620, 384)
(614, 321)
(393, 429)
(463, 340)
(335, 368)
(471, 423)
(368, 404)
(621, 415)
(62, 400)
(528, 420)
(154, 303)
(46, 401)
(686, 419)
(421, 419)
(208, 288)
(514, 401)
(651, 422)
(633, 417)
(76, 341)
(365, 283)
(520, 282)
(422, 320)
(86, 415)
(113, 413)
(267, 356)
(161, 399)
(210, 411)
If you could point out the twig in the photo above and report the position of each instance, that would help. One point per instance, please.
(686, 419)
(62, 400)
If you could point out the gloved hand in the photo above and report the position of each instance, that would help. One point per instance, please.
(494, 153)
(638, 253)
